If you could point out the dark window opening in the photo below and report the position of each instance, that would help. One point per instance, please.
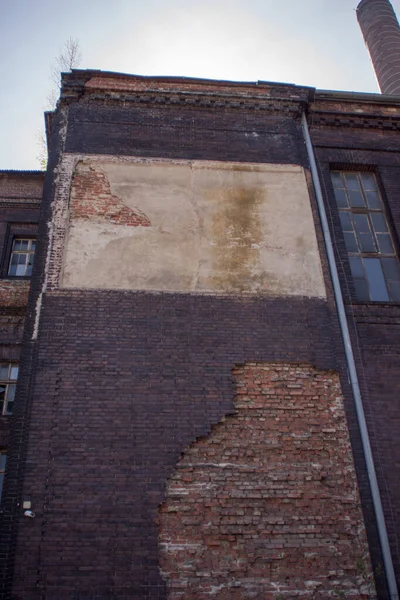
(373, 260)
(8, 384)
(22, 257)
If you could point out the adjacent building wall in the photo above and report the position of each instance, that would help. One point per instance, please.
(369, 141)
(20, 197)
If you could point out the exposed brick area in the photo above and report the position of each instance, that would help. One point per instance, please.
(91, 198)
(14, 293)
(267, 505)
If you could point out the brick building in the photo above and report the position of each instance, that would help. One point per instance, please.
(187, 423)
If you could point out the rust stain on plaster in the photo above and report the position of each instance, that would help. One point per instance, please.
(237, 234)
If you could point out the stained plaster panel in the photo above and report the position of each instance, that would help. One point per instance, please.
(210, 228)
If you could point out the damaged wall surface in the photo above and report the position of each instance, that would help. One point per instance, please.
(267, 505)
(199, 227)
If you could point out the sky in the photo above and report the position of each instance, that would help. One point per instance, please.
(307, 42)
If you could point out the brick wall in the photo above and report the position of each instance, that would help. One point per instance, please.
(267, 504)
(91, 198)
(123, 384)
(375, 327)
(117, 385)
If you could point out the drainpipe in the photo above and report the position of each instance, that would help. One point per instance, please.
(376, 498)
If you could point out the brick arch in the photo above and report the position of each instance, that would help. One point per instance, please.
(267, 505)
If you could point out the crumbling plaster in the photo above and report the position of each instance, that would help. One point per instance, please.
(214, 228)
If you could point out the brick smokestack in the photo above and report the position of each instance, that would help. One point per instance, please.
(381, 31)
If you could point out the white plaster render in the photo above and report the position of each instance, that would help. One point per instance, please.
(215, 228)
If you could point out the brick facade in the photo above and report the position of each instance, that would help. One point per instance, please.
(267, 504)
(358, 144)
(116, 386)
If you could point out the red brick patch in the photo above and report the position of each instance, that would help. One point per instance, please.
(91, 198)
(14, 293)
(267, 505)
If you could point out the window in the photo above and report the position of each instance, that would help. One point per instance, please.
(3, 460)
(22, 255)
(372, 256)
(8, 384)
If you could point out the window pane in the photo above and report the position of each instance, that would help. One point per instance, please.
(28, 271)
(361, 223)
(356, 199)
(352, 181)
(11, 392)
(351, 243)
(385, 243)
(3, 460)
(14, 372)
(369, 181)
(341, 199)
(4, 372)
(373, 199)
(17, 245)
(394, 290)
(361, 287)
(391, 269)
(366, 241)
(20, 270)
(337, 179)
(345, 219)
(377, 285)
(24, 244)
(33, 245)
(22, 259)
(356, 266)
(379, 222)
(13, 270)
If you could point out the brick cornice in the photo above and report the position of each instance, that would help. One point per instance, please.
(352, 120)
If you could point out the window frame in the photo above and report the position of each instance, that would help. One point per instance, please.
(20, 252)
(8, 382)
(14, 231)
(3, 464)
(375, 234)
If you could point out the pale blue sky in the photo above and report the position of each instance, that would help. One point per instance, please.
(309, 42)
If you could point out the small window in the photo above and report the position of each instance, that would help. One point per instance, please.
(8, 384)
(373, 260)
(3, 460)
(22, 255)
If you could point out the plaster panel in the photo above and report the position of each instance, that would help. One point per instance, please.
(192, 227)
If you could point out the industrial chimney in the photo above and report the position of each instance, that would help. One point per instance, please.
(381, 31)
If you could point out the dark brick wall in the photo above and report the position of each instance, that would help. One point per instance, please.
(375, 327)
(124, 382)
(20, 197)
(184, 133)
